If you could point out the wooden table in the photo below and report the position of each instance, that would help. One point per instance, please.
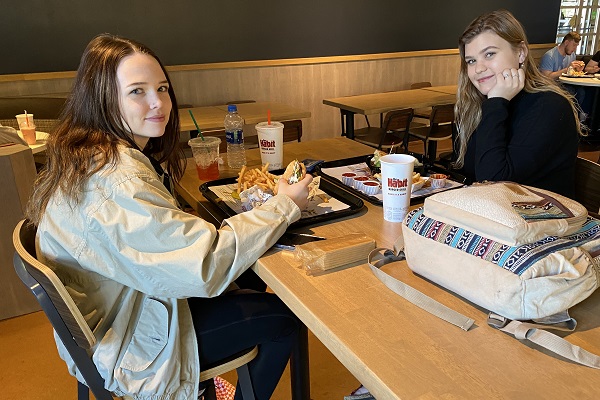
(448, 89)
(399, 351)
(40, 144)
(594, 122)
(211, 117)
(378, 103)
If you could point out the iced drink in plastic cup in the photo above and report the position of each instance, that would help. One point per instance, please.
(27, 127)
(206, 156)
(396, 183)
(28, 133)
(270, 141)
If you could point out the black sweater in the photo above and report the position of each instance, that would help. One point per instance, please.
(531, 139)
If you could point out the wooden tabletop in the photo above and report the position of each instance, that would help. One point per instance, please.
(254, 113)
(399, 351)
(448, 89)
(377, 103)
(40, 144)
(211, 117)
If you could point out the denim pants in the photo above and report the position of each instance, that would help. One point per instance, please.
(241, 319)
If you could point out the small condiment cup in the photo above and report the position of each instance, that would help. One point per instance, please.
(371, 187)
(438, 180)
(348, 178)
(358, 182)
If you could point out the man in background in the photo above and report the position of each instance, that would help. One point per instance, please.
(557, 60)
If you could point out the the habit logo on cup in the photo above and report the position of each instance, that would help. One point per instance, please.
(395, 184)
(396, 174)
(268, 144)
(270, 140)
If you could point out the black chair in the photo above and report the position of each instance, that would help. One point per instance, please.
(77, 337)
(422, 113)
(587, 184)
(441, 126)
(59, 307)
(392, 133)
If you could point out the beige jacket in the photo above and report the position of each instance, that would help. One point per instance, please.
(130, 258)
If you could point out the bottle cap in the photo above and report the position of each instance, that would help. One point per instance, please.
(232, 108)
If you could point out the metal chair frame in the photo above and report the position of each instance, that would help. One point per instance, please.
(395, 126)
(441, 127)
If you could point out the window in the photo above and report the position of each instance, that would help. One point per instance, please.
(580, 16)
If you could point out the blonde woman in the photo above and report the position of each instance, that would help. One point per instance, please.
(514, 123)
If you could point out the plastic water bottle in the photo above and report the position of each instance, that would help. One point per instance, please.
(234, 134)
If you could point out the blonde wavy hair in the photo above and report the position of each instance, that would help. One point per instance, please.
(469, 98)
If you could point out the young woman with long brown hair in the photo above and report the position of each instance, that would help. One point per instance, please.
(147, 276)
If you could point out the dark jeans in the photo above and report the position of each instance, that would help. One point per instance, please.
(241, 319)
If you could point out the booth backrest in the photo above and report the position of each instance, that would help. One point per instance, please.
(40, 107)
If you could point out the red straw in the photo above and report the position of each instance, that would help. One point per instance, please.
(268, 117)
(26, 118)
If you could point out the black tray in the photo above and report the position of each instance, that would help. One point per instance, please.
(423, 170)
(355, 204)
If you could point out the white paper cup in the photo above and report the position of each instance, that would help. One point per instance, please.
(396, 183)
(270, 141)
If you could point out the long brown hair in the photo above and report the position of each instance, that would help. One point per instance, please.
(91, 127)
(469, 98)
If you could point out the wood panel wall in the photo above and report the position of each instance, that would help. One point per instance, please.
(302, 83)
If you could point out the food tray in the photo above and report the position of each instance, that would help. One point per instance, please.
(341, 198)
(455, 180)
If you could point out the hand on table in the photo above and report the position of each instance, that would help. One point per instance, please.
(508, 83)
(298, 192)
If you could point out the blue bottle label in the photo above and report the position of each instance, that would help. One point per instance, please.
(234, 137)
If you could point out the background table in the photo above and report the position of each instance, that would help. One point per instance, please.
(378, 103)
(594, 123)
(448, 89)
(211, 117)
(40, 144)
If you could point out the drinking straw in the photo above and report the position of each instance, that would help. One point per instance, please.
(197, 127)
(268, 117)
(26, 118)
